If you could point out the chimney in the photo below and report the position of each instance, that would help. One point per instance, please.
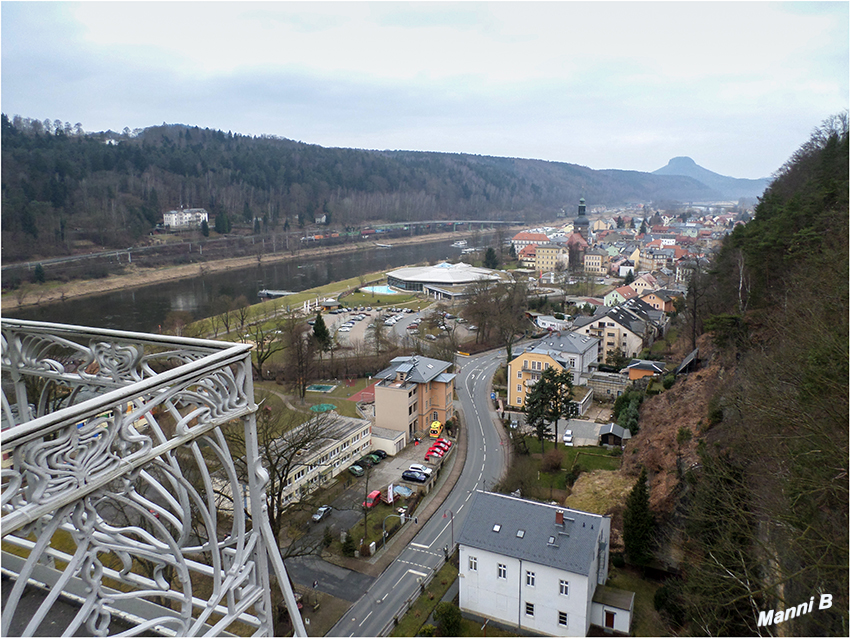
(559, 518)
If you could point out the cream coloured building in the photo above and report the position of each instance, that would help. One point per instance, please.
(549, 255)
(414, 392)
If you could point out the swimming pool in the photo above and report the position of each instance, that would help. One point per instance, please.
(380, 290)
(319, 387)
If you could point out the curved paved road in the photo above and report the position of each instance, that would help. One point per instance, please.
(485, 462)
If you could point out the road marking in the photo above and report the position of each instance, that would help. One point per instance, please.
(364, 620)
(413, 571)
(468, 496)
(460, 508)
(418, 545)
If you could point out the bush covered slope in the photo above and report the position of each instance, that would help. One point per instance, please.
(767, 518)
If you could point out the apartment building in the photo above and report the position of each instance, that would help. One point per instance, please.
(539, 568)
(549, 255)
(413, 392)
(185, 218)
(563, 351)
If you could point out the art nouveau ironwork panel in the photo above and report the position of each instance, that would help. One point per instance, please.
(112, 444)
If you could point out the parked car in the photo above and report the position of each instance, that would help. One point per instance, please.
(416, 467)
(321, 513)
(379, 453)
(356, 470)
(436, 451)
(568, 435)
(372, 499)
(376, 458)
(366, 461)
(444, 442)
(410, 475)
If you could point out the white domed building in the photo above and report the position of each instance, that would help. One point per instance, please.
(443, 281)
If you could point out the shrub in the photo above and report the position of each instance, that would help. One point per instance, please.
(668, 602)
(428, 630)
(38, 274)
(669, 380)
(328, 538)
(552, 460)
(448, 619)
(617, 560)
(348, 546)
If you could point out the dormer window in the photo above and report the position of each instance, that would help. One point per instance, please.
(520, 533)
(497, 527)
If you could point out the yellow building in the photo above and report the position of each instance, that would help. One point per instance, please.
(550, 255)
(524, 372)
(596, 262)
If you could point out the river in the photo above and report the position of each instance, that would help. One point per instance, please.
(144, 309)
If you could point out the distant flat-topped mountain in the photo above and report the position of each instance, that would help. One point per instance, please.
(729, 187)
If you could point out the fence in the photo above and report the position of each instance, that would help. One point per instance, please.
(107, 491)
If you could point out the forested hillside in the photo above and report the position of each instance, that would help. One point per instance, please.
(767, 504)
(60, 184)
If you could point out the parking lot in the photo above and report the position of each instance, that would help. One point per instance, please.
(347, 507)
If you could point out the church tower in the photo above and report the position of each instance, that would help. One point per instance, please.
(582, 223)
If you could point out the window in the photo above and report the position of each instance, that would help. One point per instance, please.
(564, 588)
(518, 387)
(519, 374)
(529, 579)
(502, 571)
(519, 400)
(436, 416)
(473, 564)
(529, 609)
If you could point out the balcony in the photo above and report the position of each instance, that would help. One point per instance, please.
(113, 452)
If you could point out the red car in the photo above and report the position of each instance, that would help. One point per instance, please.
(445, 442)
(435, 451)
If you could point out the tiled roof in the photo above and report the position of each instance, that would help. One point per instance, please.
(417, 369)
(527, 530)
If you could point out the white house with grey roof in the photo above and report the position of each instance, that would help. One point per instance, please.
(538, 568)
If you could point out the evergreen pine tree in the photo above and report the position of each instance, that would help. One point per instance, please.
(321, 334)
(205, 228)
(491, 259)
(638, 523)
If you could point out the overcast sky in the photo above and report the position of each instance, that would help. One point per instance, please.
(737, 86)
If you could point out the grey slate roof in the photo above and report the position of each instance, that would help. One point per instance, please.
(567, 342)
(416, 369)
(575, 544)
(616, 430)
(643, 364)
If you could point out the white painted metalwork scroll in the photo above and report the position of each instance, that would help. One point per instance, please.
(113, 443)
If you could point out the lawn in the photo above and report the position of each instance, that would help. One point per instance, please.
(412, 621)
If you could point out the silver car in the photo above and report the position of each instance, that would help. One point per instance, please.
(323, 512)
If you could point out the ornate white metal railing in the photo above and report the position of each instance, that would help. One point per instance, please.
(112, 445)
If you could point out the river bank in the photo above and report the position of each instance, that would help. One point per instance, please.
(42, 294)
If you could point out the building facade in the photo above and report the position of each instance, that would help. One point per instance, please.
(535, 567)
(563, 351)
(412, 393)
(549, 255)
(185, 218)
